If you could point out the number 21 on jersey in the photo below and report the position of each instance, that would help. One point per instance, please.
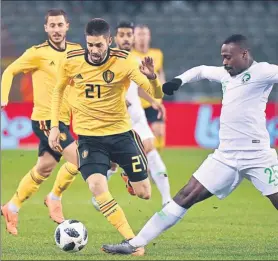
(92, 91)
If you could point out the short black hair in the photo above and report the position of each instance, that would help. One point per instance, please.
(97, 27)
(141, 26)
(125, 24)
(239, 39)
(55, 12)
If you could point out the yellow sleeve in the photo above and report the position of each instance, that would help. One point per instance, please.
(26, 62)
(160, 60)
(152, 87)
(58, 93)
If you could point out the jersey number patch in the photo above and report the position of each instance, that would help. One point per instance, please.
(93, 91)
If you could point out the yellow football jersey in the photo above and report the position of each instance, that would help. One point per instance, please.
(43, 62)
(157, 56)
(99, 107)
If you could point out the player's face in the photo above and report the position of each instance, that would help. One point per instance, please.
(56, 28)
(235, 59)
(97, 47)
(142, 36)
(124, 38)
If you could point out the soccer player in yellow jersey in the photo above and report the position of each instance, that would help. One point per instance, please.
(100, 78)
(43, 61)
(142, 49)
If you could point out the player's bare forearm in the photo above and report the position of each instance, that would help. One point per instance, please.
(161, 76)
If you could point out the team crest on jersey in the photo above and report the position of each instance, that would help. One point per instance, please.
(85, 154)
(246, 77)
(108, 76)
(63, 136)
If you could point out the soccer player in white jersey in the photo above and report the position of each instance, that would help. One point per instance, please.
(244, 150)
(124, 40)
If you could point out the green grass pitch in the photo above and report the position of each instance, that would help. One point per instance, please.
(242, 226)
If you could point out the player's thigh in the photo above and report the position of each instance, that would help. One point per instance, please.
(127, 150)
(217, 177)
(42, 132)
(70, 153)
(93, 157)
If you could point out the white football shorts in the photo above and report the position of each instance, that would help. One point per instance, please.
(223, 171)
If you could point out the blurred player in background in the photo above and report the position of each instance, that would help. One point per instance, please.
(244, 150)
(43, 61)
(142, 49)
(124, 40)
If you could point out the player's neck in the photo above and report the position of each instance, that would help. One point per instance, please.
(142, 48)
(60, 46)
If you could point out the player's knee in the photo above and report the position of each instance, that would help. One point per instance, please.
(97, 184)
(148, 145)
(143, 195)
(45, 169)
(142, 189)
(45, 165)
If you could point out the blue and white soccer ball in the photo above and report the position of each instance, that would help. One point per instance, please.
(71, 236)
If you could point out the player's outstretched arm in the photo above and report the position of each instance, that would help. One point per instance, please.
(271, 73)
(25, 63)
(138, 74)
(57, 99)
(195, 74)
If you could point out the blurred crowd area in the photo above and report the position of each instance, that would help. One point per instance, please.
(189, 33)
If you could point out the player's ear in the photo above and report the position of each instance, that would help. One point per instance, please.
(45, 28)
(110, 40)
(67, 26)
(244, 55)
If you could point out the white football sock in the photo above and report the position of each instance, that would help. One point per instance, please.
(54, 197)
(13, 207)
(158, 173)
(110, 172)
(158, 223)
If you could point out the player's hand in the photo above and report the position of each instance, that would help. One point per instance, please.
(161, 110)
(171, 86)
(147, 68)
(54, 138)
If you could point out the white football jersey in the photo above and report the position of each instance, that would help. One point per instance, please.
(135, 110)
(242, 119)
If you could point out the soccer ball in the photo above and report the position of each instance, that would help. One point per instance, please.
(71, 236)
